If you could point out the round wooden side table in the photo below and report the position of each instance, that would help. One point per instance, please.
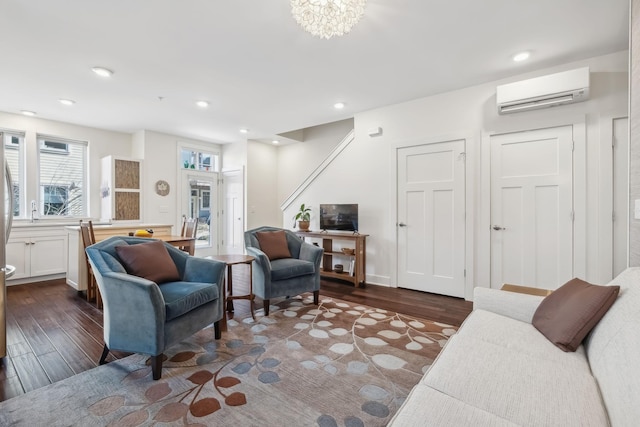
(231, 260)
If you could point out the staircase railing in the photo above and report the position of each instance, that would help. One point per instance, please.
(317, 171)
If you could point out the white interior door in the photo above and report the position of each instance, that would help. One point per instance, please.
(233, 213)
(431, 217)
(620, 194)
(532, 208)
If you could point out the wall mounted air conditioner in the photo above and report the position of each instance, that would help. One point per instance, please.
(562, 88)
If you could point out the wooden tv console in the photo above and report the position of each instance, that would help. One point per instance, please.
(357, 277)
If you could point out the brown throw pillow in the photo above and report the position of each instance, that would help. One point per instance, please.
(148, 260)
(567, 315)
(273, 244)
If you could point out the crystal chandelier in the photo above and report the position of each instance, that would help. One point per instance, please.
(327, 18)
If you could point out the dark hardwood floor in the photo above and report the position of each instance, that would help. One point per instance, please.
(54, 333)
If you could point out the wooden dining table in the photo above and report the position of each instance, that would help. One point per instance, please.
(187, 244)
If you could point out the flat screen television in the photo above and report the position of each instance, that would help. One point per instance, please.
(341, 217)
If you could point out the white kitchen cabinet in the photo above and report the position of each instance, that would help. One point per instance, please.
(37, 252)
(18, 252)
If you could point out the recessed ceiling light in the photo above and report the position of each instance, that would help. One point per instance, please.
(244, 130)
(102, 72)
(275, 141)
(521, 56)
(28, 113)
(202, 104)
(66, 101)
(338, 105)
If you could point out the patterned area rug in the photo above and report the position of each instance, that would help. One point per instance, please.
(336, 364)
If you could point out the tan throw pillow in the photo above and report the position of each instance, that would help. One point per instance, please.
(567, 315)
(148, 260)
(273, 244)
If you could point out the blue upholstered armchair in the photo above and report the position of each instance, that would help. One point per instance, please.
(284, 276)
(141, 316)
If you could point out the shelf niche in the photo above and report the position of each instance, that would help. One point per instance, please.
(359, 268)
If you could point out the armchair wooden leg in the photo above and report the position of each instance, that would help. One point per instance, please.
(316, 297)
(105, 353)
(216, 328)
(156, 366)
(266, 307)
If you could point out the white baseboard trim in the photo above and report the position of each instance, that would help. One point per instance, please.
(35, 279)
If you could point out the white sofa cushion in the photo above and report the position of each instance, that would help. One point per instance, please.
(516, 386)
(519, 336)
(428, 407)
(510, 304)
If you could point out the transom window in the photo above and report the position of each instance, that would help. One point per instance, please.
(54, 146)
(198, 160)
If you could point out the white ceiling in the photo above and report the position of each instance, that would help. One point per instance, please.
(261, 71)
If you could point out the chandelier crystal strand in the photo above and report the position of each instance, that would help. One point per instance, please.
(327, 18)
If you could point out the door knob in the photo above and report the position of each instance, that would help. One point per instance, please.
(497, 228)
(402, 224)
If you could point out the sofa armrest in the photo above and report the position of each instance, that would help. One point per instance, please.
(261, 262)
(134, 311)
(312, 253)
(511, 304)
(204, 271)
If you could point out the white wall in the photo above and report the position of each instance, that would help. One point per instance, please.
(160, 154)
(365, 172)
(300, 159)
(262, 171)
(234, 156)
(101, 143)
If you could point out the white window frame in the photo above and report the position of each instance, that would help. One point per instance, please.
(42, 146)
(214, 155)
(17, 178)
(41, 138)
(215, 150)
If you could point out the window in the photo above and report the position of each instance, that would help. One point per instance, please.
(53, 146)
(200, 206)
(56, 200)
(206, 199)
(14, 156)
(62, 177)
(199, 160)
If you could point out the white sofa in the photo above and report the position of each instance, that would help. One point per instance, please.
(498, 370)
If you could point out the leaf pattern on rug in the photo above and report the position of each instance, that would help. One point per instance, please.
(107, 405)
(365, 359)
(200, 377)
(227, 382)
(204, 407)
(171, 412)
(396, 328)
(236, 399)
(183, 356)
(157, 392)
(135, 418)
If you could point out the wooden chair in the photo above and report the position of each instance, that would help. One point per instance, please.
(189, 227)
(88, 239)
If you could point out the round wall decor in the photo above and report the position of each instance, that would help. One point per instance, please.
(162, 188)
